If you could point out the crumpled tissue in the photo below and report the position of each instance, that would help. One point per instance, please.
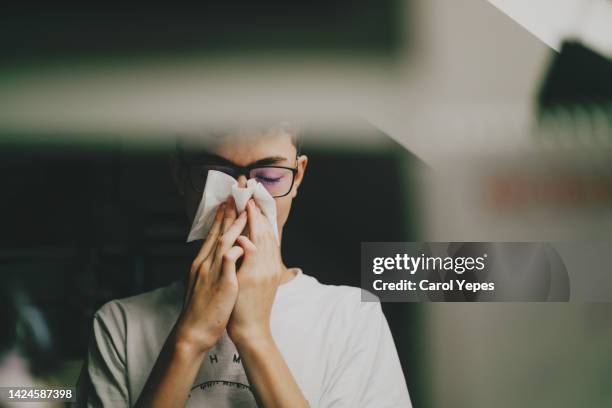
(219, 186)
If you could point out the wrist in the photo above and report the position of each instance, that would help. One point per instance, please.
(187, 348)
(249, 337)
(189, 342)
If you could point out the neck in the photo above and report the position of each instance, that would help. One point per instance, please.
(287, 274)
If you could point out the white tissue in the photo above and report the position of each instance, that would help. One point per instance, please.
(219, 186)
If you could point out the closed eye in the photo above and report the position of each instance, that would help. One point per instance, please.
(268, 180)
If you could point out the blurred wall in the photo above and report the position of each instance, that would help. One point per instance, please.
(495, 355)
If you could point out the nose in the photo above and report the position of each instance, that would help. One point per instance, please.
(242, 181)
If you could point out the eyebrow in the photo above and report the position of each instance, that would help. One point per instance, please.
(266, 161)
(212, 158)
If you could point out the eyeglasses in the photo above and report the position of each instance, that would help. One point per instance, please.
(278, 180)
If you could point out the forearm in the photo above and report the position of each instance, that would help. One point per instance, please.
(173, 375)
(269, 376)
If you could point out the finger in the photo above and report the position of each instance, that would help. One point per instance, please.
(246, 244)
(229, 215)
(257, 208)
(224, 243)
(253, 218)
(228, 238)
(229, 262)
(259, 225)
(211, 238)
(204, 252)
(235, 230)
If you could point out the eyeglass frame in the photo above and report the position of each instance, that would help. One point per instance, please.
(242, 171)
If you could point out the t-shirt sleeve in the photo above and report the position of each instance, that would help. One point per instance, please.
(103, 377)
(368, 372)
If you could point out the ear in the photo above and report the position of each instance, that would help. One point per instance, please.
(176, 169)
(302, 163)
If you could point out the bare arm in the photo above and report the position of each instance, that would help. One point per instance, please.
(249, 327)
(210, 295)
(175, 370)
(269, 375)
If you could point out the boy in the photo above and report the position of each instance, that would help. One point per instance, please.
(242, 329)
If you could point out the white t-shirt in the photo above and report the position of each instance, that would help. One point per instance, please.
(339, 350)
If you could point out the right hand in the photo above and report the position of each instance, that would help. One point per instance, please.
(212, 285)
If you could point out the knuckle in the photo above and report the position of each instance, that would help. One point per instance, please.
(205, 266)
(227, 256)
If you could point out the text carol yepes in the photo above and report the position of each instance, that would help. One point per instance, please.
(426, 285)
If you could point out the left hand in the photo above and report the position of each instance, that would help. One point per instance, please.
(258, 279)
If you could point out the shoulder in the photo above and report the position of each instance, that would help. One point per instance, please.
(348, 305)
(140, 307)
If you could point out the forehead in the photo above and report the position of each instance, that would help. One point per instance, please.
(243, 149)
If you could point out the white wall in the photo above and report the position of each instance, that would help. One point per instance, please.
(554, 20)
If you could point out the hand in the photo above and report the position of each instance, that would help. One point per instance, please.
(212, 285)
(258, 279)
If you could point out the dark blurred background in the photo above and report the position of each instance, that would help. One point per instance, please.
(83, 225)
(91, 97)
(71, 29)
